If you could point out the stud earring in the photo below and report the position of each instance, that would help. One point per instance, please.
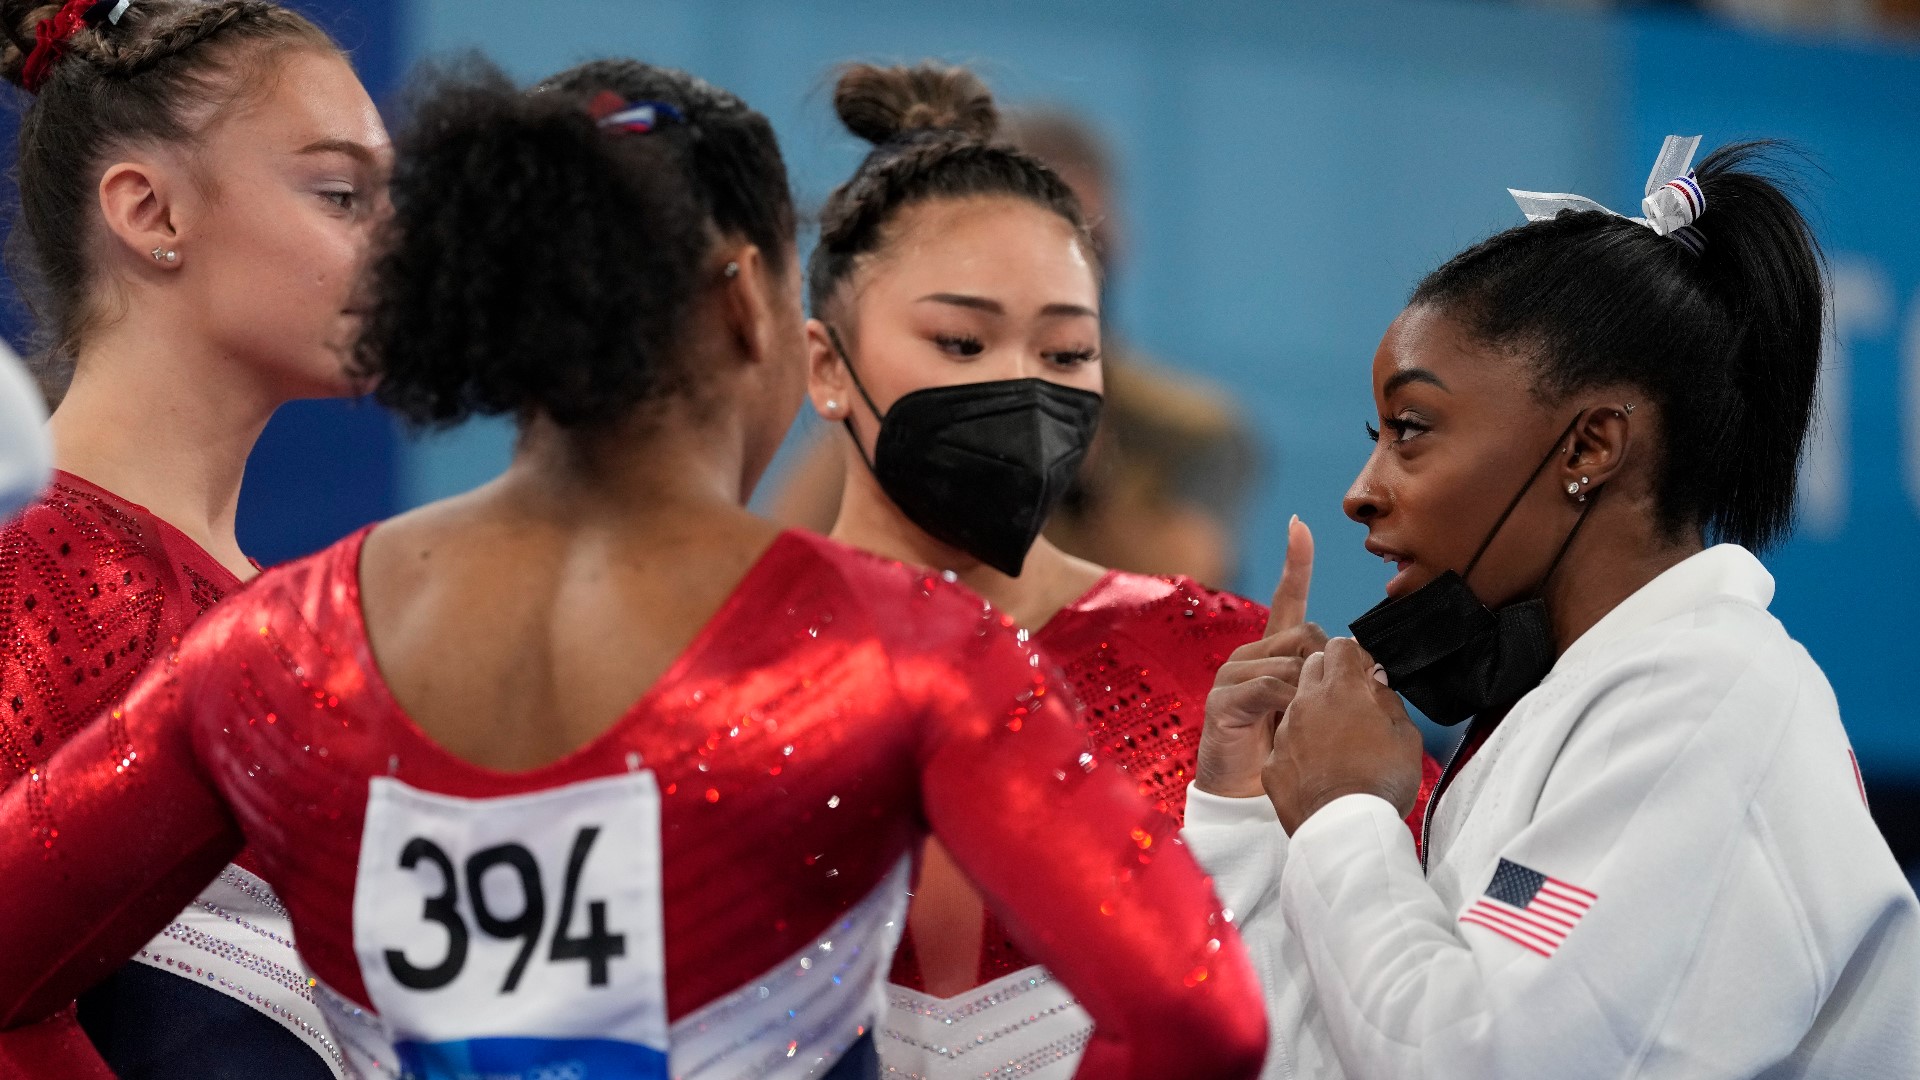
(732, 270)
(1573, 487)
(165, 255)
(833, 407)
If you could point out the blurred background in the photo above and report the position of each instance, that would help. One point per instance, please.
(1275, 176)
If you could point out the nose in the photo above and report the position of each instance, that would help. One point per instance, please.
(1366, 500)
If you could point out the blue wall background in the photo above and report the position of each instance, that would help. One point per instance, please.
(1291, 168)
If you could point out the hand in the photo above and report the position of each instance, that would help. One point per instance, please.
(1257, 682)
(1344, 734)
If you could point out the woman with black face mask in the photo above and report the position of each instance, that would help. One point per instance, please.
(1651, 855)
(957, 339)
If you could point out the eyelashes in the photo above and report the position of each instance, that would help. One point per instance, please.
(958, 345)
(968, 346)
(1401, 428)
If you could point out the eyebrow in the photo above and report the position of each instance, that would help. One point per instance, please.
(1412, 375)
(994, 307)
(348, 147)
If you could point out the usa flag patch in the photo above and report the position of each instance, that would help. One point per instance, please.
(1530, 908)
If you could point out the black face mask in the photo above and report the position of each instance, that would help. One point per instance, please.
(1447, 653)
(980, 466)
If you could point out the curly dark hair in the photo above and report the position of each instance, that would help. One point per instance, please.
(537, 263)
(1726, 342)
(145, 79)
(933, 131)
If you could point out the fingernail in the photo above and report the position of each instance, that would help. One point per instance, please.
(1380, 675)
(1292, 521)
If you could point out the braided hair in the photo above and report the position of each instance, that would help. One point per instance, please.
(933, 132)
(159, 74)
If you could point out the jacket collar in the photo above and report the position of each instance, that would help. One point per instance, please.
(1721, 572)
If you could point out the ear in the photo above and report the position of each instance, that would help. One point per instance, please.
(751, 302)
(1596, 449)
(828, 384)
(138, 201)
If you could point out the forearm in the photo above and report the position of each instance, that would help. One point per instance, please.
(99, 849)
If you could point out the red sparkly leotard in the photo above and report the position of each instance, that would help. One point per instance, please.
(1141, 652)
(92, 589)
(719, 876)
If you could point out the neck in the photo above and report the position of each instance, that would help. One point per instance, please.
(653, 473)
(158, 419)
(1049, 580)
(1614, 558)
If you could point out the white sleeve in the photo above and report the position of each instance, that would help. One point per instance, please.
(1240, 843)
(1692, 959)
(26, 455)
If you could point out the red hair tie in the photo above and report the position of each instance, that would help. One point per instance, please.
(50, 39)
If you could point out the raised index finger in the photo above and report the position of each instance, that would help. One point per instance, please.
(1290, 599)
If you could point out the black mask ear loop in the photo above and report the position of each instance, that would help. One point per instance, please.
(834, 336)
(1565, 545)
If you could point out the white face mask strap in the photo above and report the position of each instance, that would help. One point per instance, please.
(1673, 200)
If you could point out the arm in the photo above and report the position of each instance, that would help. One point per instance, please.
(1650, 810)
(1084, 874)
(102, 847)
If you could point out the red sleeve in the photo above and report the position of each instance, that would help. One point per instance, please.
(103, 846)
(53, 1049)
(1087, 877)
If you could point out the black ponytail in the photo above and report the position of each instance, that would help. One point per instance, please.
(1726, 343)
(539, 263)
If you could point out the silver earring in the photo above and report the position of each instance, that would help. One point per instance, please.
(165, 255)
(1573, 487)
(732, 270)
(1629, 408)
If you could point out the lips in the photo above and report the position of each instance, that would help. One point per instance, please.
(1402, 582)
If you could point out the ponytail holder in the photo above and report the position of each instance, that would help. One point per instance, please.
(1673, 202)
(611, 111)
(50, 36)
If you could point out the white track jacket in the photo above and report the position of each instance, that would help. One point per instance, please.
(1660, 865)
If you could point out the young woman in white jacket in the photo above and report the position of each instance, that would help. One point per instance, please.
(1652, 855)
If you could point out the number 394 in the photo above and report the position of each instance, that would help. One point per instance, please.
(597, 946)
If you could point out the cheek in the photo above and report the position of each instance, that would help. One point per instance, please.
(1443, 499)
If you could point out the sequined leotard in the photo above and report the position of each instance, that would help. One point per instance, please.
(718, 876)
(92, 589)
(1141, 652)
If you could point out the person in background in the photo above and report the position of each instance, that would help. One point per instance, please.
(1651, 855)
(592, 770)
(1161, 489)
(957, 339)
(197, 183)
(26, 454)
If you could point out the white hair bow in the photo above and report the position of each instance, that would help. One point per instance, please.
(1672, 204)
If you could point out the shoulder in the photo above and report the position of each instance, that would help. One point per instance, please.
(310, 593)
(1718, 690)
(73, 522)
(1159, 613)
(901, 602)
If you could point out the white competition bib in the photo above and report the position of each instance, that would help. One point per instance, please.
(517, 938)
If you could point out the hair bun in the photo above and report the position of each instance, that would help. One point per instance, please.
(881, 104)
